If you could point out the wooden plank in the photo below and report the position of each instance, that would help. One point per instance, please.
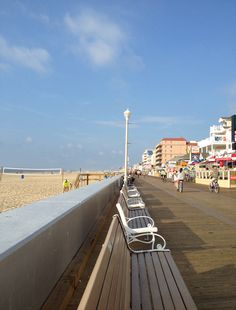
(107, 292)
(154, 286)
(164, 290)
(122, 301)
(135, 288)
(127, 283)
(116, 284)
(93, 289)
(172, 285)
(187, 298)
(144, 283)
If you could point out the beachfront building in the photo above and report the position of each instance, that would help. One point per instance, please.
(147, 160)
(221, 139)
(168, 148)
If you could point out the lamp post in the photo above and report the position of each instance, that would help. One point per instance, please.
(127, 115)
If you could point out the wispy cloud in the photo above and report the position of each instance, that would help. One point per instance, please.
(16, 108)
(37, 59)
(114, 152)
(110, 123)
(4, 67)
(72, 146)
(28, 140)
(168, 120)
(41, 17)
(158, 119)
(99, 38)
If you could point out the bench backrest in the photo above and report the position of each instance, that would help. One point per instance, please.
(109, 283)
(125, 194)
(122, 216)
(123, 201)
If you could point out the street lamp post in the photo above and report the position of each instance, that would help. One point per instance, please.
(127, 115)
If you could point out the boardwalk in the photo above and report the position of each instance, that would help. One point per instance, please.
(200, 229)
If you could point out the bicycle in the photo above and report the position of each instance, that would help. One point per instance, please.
(214, 186)
(164, 178)
(180, 186)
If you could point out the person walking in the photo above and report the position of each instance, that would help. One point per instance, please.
(180, 178)
(66, 186)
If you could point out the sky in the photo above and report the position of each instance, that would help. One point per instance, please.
(69, 70)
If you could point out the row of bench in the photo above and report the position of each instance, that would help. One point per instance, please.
(134, 269)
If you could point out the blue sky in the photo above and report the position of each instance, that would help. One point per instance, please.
(69, 69)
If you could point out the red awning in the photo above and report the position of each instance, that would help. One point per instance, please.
(224, 159)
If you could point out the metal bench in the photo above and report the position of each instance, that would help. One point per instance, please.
(133, 202)
(130, 192)
(123, 279)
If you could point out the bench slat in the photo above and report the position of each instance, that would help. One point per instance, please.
(155, 293)
(117, 291)
(136, 300)
(164, 290)
(144, 284)
(181, 284)
(171, 282)
(94, 287)
(113, 275)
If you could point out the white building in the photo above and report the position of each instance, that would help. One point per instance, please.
(220, 139)
(147, 158)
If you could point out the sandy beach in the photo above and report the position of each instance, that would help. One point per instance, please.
(16, 192)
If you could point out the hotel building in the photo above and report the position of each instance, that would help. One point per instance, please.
(168, 148)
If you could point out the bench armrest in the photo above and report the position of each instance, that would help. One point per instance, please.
(142, 216)
(158, 242)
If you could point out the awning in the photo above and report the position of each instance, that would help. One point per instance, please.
(224, 159)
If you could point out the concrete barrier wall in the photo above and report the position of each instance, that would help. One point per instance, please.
(38, 241)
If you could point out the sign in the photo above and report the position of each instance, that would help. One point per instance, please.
(195, 149)
(220, 138)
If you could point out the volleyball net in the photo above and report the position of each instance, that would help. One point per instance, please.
(31, 171)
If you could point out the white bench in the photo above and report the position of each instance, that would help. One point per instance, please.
(132, 202)
(146, 235)
(124, 280)
(131, 193)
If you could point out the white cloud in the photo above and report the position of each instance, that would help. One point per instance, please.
(158, 119)
(28, 140)
(99, 38)
(169, 120)
(114, 152)
(4, 67)
(100, 153)
(110, 123)
(36, 59)
(43, 18)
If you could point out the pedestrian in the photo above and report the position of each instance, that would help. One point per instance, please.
(179, 176)
(66, 186)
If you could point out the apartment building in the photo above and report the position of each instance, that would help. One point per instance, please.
(168, 148)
